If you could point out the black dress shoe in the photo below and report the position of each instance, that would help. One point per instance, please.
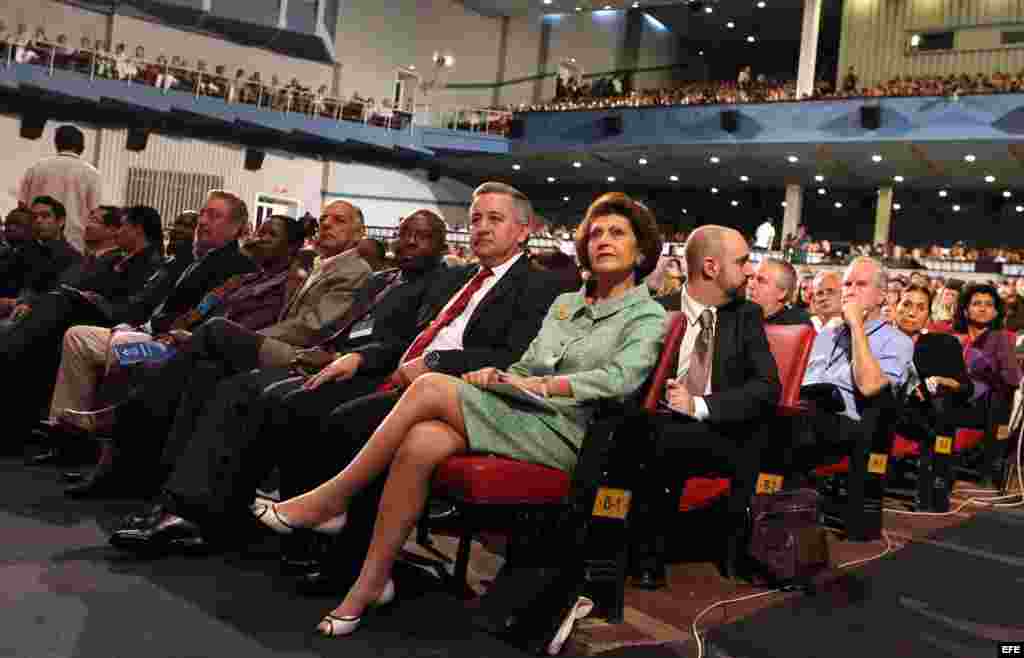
(650, 578)
(169, 534)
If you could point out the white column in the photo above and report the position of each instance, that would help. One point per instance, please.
(282, 14)
(794, 211)
(808, 48)
(883, 215)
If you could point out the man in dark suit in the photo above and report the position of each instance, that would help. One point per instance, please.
(727, 380)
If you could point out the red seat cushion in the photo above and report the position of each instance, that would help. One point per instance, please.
(701, 492)
(833, 469)
(903, 447)
(967, 438)
(491, 480)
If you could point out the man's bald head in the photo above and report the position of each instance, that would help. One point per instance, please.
(718, 264)
(704, 242)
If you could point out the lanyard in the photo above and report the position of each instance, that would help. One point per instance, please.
(835, 345)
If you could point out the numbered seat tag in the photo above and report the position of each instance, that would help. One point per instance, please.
(768, 484)
(943, 445)
(877, 463)
(612, 503)
(1002, 432)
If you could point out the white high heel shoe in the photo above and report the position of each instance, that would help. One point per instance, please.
(334, 626)
(268, 515)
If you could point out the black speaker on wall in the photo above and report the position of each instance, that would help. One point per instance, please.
(517, 128)
(137, 139)
(730, 121)
(32, 127)
(612, 125)
(254, 159)
(871, 117)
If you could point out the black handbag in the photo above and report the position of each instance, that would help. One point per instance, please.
(788, 542)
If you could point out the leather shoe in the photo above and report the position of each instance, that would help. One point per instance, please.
(168, 534)
(650, 578)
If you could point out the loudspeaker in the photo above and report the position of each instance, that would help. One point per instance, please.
(871, 117)
(137, 139)
(433, 173)
(254, 159)
(730, 121)
(32, 126)
(516, 129)
(612, 125)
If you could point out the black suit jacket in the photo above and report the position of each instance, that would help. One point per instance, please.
(506, 320)
(136, 308)
(115, 285)
(744, 377)
(941, 355)
(43, 265)
(202, 277)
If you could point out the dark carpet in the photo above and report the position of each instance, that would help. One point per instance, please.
(66, 593)
(957, 593)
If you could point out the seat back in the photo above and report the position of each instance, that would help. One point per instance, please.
(675, 327)
(791, 346)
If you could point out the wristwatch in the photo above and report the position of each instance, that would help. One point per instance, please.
(432, 360)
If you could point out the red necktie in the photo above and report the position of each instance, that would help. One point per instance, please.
(454, 310)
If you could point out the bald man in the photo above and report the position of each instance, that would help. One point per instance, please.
(726, 384)
(771, 287)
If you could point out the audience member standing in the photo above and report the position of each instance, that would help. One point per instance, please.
(67, 178)
(765, 236)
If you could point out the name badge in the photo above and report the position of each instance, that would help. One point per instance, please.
(361, 329)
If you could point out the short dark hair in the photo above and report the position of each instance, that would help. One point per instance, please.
(112, 216)
(19, 213)
(960, 319)
(295, 229)
(69, 138)
(149, 219)
(919, 289)
(641, 219)
(437, 225)
(55, 206)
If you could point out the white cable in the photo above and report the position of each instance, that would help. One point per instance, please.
(888, 549)
(696, 633)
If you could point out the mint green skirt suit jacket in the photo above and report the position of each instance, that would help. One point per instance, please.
(606, 350)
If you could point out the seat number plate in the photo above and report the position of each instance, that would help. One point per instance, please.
(943, 445)
(612, 503)
(1002, 432)
(768, 483)
(877, 463)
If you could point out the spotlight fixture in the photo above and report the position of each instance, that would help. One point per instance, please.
(744, 179)
(642, 161)
(819, 178)
(714, 159)
(943, 193)
(674, 178)
(1007, 194)
(714, 190)
(896, 206)
(551, 179)
(793, 159)
(876, 158)
(700, 53)
(565, 198)
(822, 191)
(838, 204)
(516, 167)
(636, 5)
(970, 157)
(708, 10)
(897, 179)
(611, 179)
(684, 211)
(990, 178)
(577, 164)
(734, 203)
(751, 38)
(1020, 208)
(956, 208)
(762, 4)
(730, 25)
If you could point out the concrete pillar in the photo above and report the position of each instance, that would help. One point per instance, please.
(282, 14)
(543, 54)
(793, 211)
(502, 62)
(808, 48)
(883, 215)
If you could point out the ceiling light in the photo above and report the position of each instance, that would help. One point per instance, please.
(714, 190)
(744, 179)
(516, 167)
(762, 4)
(674, 178)
(956, 208)
(990, 178)
(793, 159)
(876, 158)
(700, 53)
(607, 7)
(611, 179)
(898, 179)
(783, 204)
(896, 206)
(635, 5)
(1007, 194)
(751, 38)
(708, 10)
(565, 198)
(819, 178)
(579, 8)
(642, 161)
(551, 179)
(577, 164)
(822, 191)
(970, 157)
(412, 67)
(734, 203)
(838, 204)
(943, 193)
(547, 2)
(714, 159)
(730, 25)
(915, 41)
(1020, 208)
(684, 211)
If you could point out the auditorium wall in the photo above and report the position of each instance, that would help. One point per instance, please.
(876, 33)
(659, 48)
(55, 17)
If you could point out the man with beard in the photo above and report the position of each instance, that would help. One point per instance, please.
(727, 383)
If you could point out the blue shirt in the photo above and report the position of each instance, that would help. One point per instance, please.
(831, 360)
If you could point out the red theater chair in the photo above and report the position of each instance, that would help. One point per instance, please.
(496, 494)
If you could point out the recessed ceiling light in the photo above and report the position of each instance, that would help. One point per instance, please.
(970, 157)
(793, 159)
(714, 159)
(674, 178)
(730, 25)
(943, 193)
(1007, 194)
(783, 204)
(762, 4)
(684, 211)
(956, 208)
(611, 179)
(898, 179)
(1020, 208)
(579, 8)
(714, 190)
(700, 53)
(412, 67)
(751, 38)
(990, 178)
(822, 191)
(896, 206)
(876, 158)
(642, 161)
(819, 178)
(607, 7)
(838, 204)
(744, 178)
(547, 2)
(577, 164)
(516, 167)
(635, 5)
(551, 179)
(565, 198)
(734, 203)
(708, 10)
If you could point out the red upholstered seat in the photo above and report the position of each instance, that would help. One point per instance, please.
(490, 480)
(966, 438)
(833, 469)
(902, 447)
(700, 492)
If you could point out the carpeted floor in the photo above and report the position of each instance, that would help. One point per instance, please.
(66, 593)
